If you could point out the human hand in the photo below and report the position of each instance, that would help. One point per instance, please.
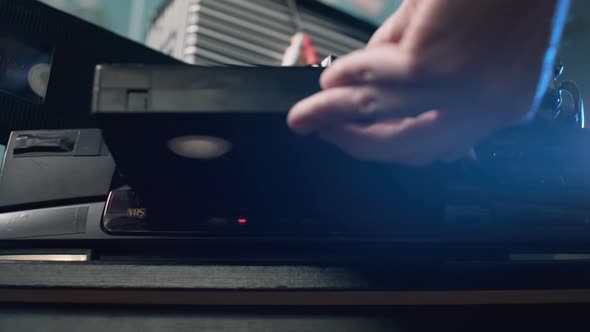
(435, 79)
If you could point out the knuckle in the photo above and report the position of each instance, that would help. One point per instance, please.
(366, 75)
(358, 72)
(367, 102)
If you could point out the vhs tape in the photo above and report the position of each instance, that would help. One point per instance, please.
(200, 144)
(205, 144)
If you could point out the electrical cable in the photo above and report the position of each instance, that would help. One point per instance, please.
(301, 51)
(294, 11)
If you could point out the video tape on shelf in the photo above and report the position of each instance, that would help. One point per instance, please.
(47, 61)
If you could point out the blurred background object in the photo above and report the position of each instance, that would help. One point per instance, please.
(375, 11)
(131, 18)
(260, 32)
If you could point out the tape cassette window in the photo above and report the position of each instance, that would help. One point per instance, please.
(25, 69)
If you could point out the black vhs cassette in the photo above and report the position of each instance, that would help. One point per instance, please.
(201, 144)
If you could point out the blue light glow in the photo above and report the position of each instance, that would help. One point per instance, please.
(559, 19)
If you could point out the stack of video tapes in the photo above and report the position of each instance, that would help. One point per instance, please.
(253, 32)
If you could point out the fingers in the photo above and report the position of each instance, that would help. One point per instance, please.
(393, 29)
(384, 64)
(350, 104)
(412, 141)
(364, 142)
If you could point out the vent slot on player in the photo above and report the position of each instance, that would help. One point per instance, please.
(33, 144)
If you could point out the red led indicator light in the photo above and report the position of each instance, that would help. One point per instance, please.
(242, 221)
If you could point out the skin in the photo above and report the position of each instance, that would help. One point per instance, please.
(435, 79)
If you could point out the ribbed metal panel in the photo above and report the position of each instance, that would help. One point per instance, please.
(257, 32)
